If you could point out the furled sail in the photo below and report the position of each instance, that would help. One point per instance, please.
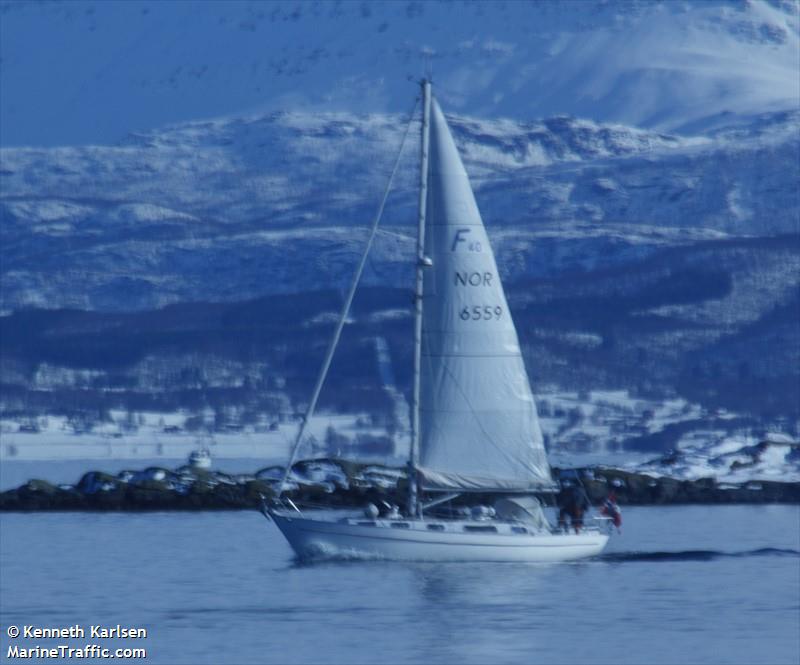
(478, 424)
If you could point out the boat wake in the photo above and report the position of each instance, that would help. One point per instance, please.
(343, 556)
(328, 553)
(695, 555)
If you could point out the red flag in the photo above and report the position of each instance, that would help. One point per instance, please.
(612, 510)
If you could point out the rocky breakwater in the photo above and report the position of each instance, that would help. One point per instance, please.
(320, 482)
(641, 489)
(338, 483)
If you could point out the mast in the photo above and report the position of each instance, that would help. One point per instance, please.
(414, 507)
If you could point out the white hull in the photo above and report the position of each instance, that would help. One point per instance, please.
(383, 539)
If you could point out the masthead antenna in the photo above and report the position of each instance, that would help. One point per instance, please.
(427, 64)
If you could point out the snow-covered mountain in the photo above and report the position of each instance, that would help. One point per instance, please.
(90, 72)
(682, 127)
(267, 204)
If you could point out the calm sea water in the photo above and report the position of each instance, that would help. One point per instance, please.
(682, 584)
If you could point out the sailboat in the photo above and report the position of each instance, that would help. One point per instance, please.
(474, 426)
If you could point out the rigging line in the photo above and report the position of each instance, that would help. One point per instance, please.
(345, 311)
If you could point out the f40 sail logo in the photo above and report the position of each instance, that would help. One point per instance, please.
(470, 245)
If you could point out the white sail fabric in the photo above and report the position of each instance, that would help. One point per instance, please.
(478, 424)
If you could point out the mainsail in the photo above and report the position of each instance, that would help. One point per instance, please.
(478, 424)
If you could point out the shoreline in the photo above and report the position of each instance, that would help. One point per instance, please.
(333, 483)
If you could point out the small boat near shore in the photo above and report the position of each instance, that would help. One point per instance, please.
(200, 459)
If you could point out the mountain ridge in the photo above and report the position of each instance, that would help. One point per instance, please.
(260, 200)
(110, 68)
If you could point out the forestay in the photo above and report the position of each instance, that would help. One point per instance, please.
(478, 424)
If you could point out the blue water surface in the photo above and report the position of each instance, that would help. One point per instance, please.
(698, 584)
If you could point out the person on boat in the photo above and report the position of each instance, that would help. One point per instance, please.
(611, 510)
(573, 502)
